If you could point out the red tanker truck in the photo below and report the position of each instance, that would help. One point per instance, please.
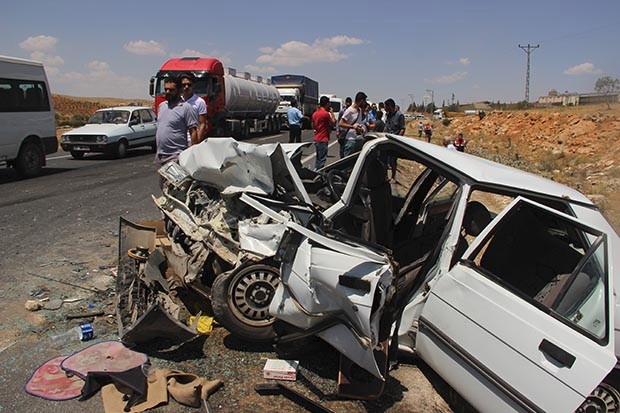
(237, 103)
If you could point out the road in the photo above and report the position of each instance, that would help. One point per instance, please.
(59, 233)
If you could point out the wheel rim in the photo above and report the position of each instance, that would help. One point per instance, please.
(31, 160)
(603, 399)
(250, 294)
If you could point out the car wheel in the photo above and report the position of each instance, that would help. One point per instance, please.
(241, 298)
(77, 154)
(30, 160)
(603, 399)
(121, 149)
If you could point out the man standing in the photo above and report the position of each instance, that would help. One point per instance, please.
(323, 120)
(175, 118)
(353, 120)
(294, 122)
(188, 95)
(342, 132)
(395, 124)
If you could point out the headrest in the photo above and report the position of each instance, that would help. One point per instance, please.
(477, 217)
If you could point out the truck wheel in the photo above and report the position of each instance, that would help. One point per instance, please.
(77, 154)
(603, 399)
(30, 160)
(241, 298)
(121, 149)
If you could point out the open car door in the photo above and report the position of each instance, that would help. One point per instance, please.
(523, 321)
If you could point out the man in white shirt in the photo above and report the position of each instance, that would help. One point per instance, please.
(353, 120)
(187, 93)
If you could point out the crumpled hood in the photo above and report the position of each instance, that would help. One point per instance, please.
(235, 167)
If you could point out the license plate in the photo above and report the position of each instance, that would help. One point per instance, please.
(81, 148)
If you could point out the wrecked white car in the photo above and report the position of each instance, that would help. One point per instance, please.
(502, 281)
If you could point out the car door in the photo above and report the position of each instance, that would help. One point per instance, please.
(523, 321)
(150, 126)
(136, 127)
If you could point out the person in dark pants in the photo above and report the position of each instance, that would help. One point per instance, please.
(294, 123)
(395, 124)
(342, 132)
(323, 121)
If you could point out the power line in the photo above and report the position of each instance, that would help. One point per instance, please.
(528, 49)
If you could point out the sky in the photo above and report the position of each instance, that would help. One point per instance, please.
(412, 51)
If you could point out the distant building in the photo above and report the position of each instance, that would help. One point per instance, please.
(573, 99)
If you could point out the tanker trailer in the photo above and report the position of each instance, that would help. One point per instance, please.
(237, 103)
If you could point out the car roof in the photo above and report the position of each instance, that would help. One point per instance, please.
(487, 172)
(125, 108)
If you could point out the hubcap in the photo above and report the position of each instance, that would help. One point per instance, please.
(604, 399)
(251, 293)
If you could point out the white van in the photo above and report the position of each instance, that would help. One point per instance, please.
(438, 114)
(27, 123)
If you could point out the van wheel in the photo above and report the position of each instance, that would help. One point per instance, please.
(77, 154)
(30, 160)
(241, 298)
(121, 149)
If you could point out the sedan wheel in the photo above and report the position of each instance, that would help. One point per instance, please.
(77, 154)
(121, 149)
(241, 298)
(603, 399)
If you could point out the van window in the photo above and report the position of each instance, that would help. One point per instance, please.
(23, 96)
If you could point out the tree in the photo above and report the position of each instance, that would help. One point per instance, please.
(607, 86)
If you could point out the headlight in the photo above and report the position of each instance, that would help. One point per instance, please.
(102, 139)
(64, 138)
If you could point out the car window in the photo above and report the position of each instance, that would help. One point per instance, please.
(135, 115)
(552, 262)
(146, 116)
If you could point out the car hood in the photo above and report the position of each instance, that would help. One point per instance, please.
(97, 129)
(235, 167)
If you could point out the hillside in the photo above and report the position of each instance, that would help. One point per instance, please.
(69, 108)
(577, 146)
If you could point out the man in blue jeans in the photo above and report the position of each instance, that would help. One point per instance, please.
(323, 120)
(294, 123)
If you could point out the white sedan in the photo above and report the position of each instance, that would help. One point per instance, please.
(500, 280)
(112, 131)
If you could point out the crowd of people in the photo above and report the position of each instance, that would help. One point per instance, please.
(182, 119)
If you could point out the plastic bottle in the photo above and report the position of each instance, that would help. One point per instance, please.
(83, 332)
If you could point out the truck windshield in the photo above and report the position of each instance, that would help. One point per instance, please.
(200, 87)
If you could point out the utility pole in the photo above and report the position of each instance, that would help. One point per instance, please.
(432, 93)
(528, 49)
(411, 96)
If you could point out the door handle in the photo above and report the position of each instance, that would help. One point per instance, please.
(561, 356)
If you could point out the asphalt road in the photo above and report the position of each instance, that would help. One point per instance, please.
(59, 238)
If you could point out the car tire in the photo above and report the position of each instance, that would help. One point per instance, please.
(241, 298)
(77, 154)
(29, 160)
(121, 149)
